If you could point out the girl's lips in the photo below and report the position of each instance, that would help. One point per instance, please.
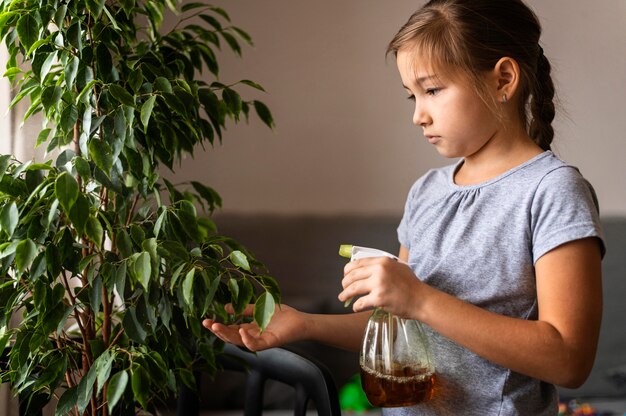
(432, 139)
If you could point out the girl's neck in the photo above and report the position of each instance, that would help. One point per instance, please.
(495, 158)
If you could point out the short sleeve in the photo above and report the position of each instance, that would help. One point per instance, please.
(564, 209)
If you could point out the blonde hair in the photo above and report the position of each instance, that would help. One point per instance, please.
(470, 36)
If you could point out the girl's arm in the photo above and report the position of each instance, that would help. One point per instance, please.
(559, 347)
(289, 325)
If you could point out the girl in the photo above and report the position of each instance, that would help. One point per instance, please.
(503, 247)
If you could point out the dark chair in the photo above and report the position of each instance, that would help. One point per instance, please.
(310, 379)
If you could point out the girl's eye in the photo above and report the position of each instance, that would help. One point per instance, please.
(433, 91)
(411, 97)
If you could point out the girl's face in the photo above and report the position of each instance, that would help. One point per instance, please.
(452, 115)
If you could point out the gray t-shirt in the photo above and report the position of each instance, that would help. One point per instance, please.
(480, 243)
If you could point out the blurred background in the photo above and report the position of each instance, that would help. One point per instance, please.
(344, 142)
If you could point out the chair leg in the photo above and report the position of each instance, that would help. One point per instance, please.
(302, 400)
(254, 394)
(187, 403)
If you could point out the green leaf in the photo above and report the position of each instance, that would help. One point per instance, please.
(82, 167)
(25, 253)
(104, 62)
(136, 79)
(38, 266)
(111, 19)
(270, 285)
(146, 111)
(100, 152)
(264, 113)
(209, 194)
(103, 364)
(120, 280)
(66, 190)
(85, 94)
(85, 387)
(42, 137)
(74, 36)
(50, 97)
(221, 12)
(233, 288)
(69, 116)
(128, 6)
(175, 276)
(188, 287)
(264, 309)
(239, 260)
(133, 327)
(53, 372)
(93, 230)
(246, 292)
(4, 164)
(95, 8)
(140, 382)
(213, 289)
(67, 402)
(36, 45)
(191, 6)
(162, 84)
(70, 71)
(212, 21)
(116, 388)
(232, 42)
(9, 218)
(121, 95)
(11, 72)
(124, 244)
(59, 15)
(243, 35)
(158, 224)
(79, 214)
(252, 84)
(4, 17)
(232, 100)
(47, 65)
(27, 30)
(143, 269)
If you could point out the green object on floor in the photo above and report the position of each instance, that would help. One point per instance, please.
(352, 397)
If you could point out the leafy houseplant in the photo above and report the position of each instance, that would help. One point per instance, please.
(109, 268)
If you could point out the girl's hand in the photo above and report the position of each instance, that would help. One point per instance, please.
(287, 325)
(384, 283)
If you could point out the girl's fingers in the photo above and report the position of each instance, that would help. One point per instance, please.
(355, 275)
(228, 333)
(249, 310)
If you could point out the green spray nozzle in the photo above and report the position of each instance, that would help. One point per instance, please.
(345, 250)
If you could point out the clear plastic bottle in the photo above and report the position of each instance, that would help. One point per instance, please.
(396, 363)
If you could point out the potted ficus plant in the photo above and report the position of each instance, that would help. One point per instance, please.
(107, 267)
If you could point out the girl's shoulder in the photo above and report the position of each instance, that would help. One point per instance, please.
(555, 173)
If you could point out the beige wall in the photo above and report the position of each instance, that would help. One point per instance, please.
(344, 142)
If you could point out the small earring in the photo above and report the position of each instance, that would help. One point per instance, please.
(504, 98)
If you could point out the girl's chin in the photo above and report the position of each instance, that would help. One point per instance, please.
(448, 153)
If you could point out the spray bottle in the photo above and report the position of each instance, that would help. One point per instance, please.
(396, 363)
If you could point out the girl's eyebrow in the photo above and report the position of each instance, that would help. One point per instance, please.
(419, 81)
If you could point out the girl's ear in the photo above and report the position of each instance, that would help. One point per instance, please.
(506, 73)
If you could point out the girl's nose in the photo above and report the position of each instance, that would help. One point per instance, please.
(420, 116)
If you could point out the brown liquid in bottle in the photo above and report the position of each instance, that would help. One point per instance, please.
(406, 386)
